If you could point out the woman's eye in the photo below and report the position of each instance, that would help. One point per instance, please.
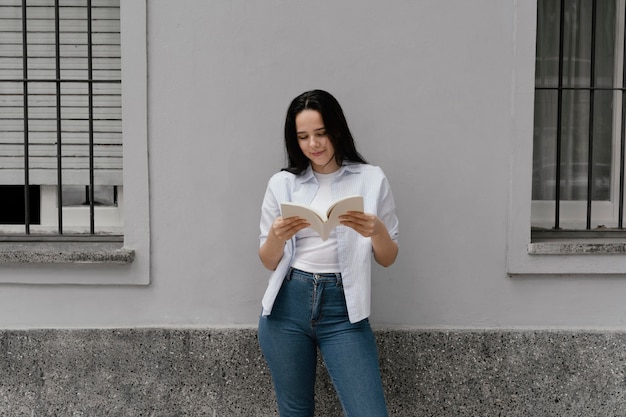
(321, 134)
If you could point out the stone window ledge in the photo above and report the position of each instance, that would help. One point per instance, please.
(574, 247)
(65, 252)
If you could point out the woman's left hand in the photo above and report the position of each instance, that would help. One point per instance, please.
(366, 224)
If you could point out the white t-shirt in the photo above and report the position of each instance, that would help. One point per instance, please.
(312, 253)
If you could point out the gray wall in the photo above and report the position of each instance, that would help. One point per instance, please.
(437, 93)
(211, 372)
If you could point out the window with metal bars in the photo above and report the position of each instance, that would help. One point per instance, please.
(60, 116)
(578, 149)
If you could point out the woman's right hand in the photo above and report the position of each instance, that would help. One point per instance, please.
(285, 229)
(281, 231)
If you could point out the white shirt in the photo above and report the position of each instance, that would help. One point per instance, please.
(355, 251)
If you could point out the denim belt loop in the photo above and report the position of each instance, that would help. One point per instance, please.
(289, 273)
(339, 281)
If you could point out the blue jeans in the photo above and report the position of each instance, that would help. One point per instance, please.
(310, 312)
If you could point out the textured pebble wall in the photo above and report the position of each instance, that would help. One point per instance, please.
(217, 372)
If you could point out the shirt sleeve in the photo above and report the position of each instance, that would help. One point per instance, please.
(269, 211)
(387, 209)
(275, 192)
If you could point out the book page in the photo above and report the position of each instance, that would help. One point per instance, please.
(341, 207)
(315, 219)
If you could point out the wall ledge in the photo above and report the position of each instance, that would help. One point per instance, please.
(577, 248)
(65, 253)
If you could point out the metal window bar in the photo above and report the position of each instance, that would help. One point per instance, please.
(620, 223)
(57, 51)
(92, 217)
(592, 89)
(26, 118)
(26, 81)
(559, 122)
(592, 85)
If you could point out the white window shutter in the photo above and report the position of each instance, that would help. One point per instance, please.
(74, 93)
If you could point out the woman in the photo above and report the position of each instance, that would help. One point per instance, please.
(319, 293)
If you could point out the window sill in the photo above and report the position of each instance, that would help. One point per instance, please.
(567, 257)
(65, 253)
(573, 247)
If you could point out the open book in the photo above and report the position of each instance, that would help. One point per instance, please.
(323, 224)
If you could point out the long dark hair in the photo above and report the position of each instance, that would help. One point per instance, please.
(334, 122)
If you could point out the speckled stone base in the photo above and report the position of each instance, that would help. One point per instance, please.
(221, 372)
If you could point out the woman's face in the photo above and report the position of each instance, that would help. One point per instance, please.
(314, 141)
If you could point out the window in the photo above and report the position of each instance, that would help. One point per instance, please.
(590, 253)
(103, 258)
(578, 153)
(61, 116)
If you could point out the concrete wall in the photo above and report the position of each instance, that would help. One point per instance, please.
(438, 93)
(162, 373)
